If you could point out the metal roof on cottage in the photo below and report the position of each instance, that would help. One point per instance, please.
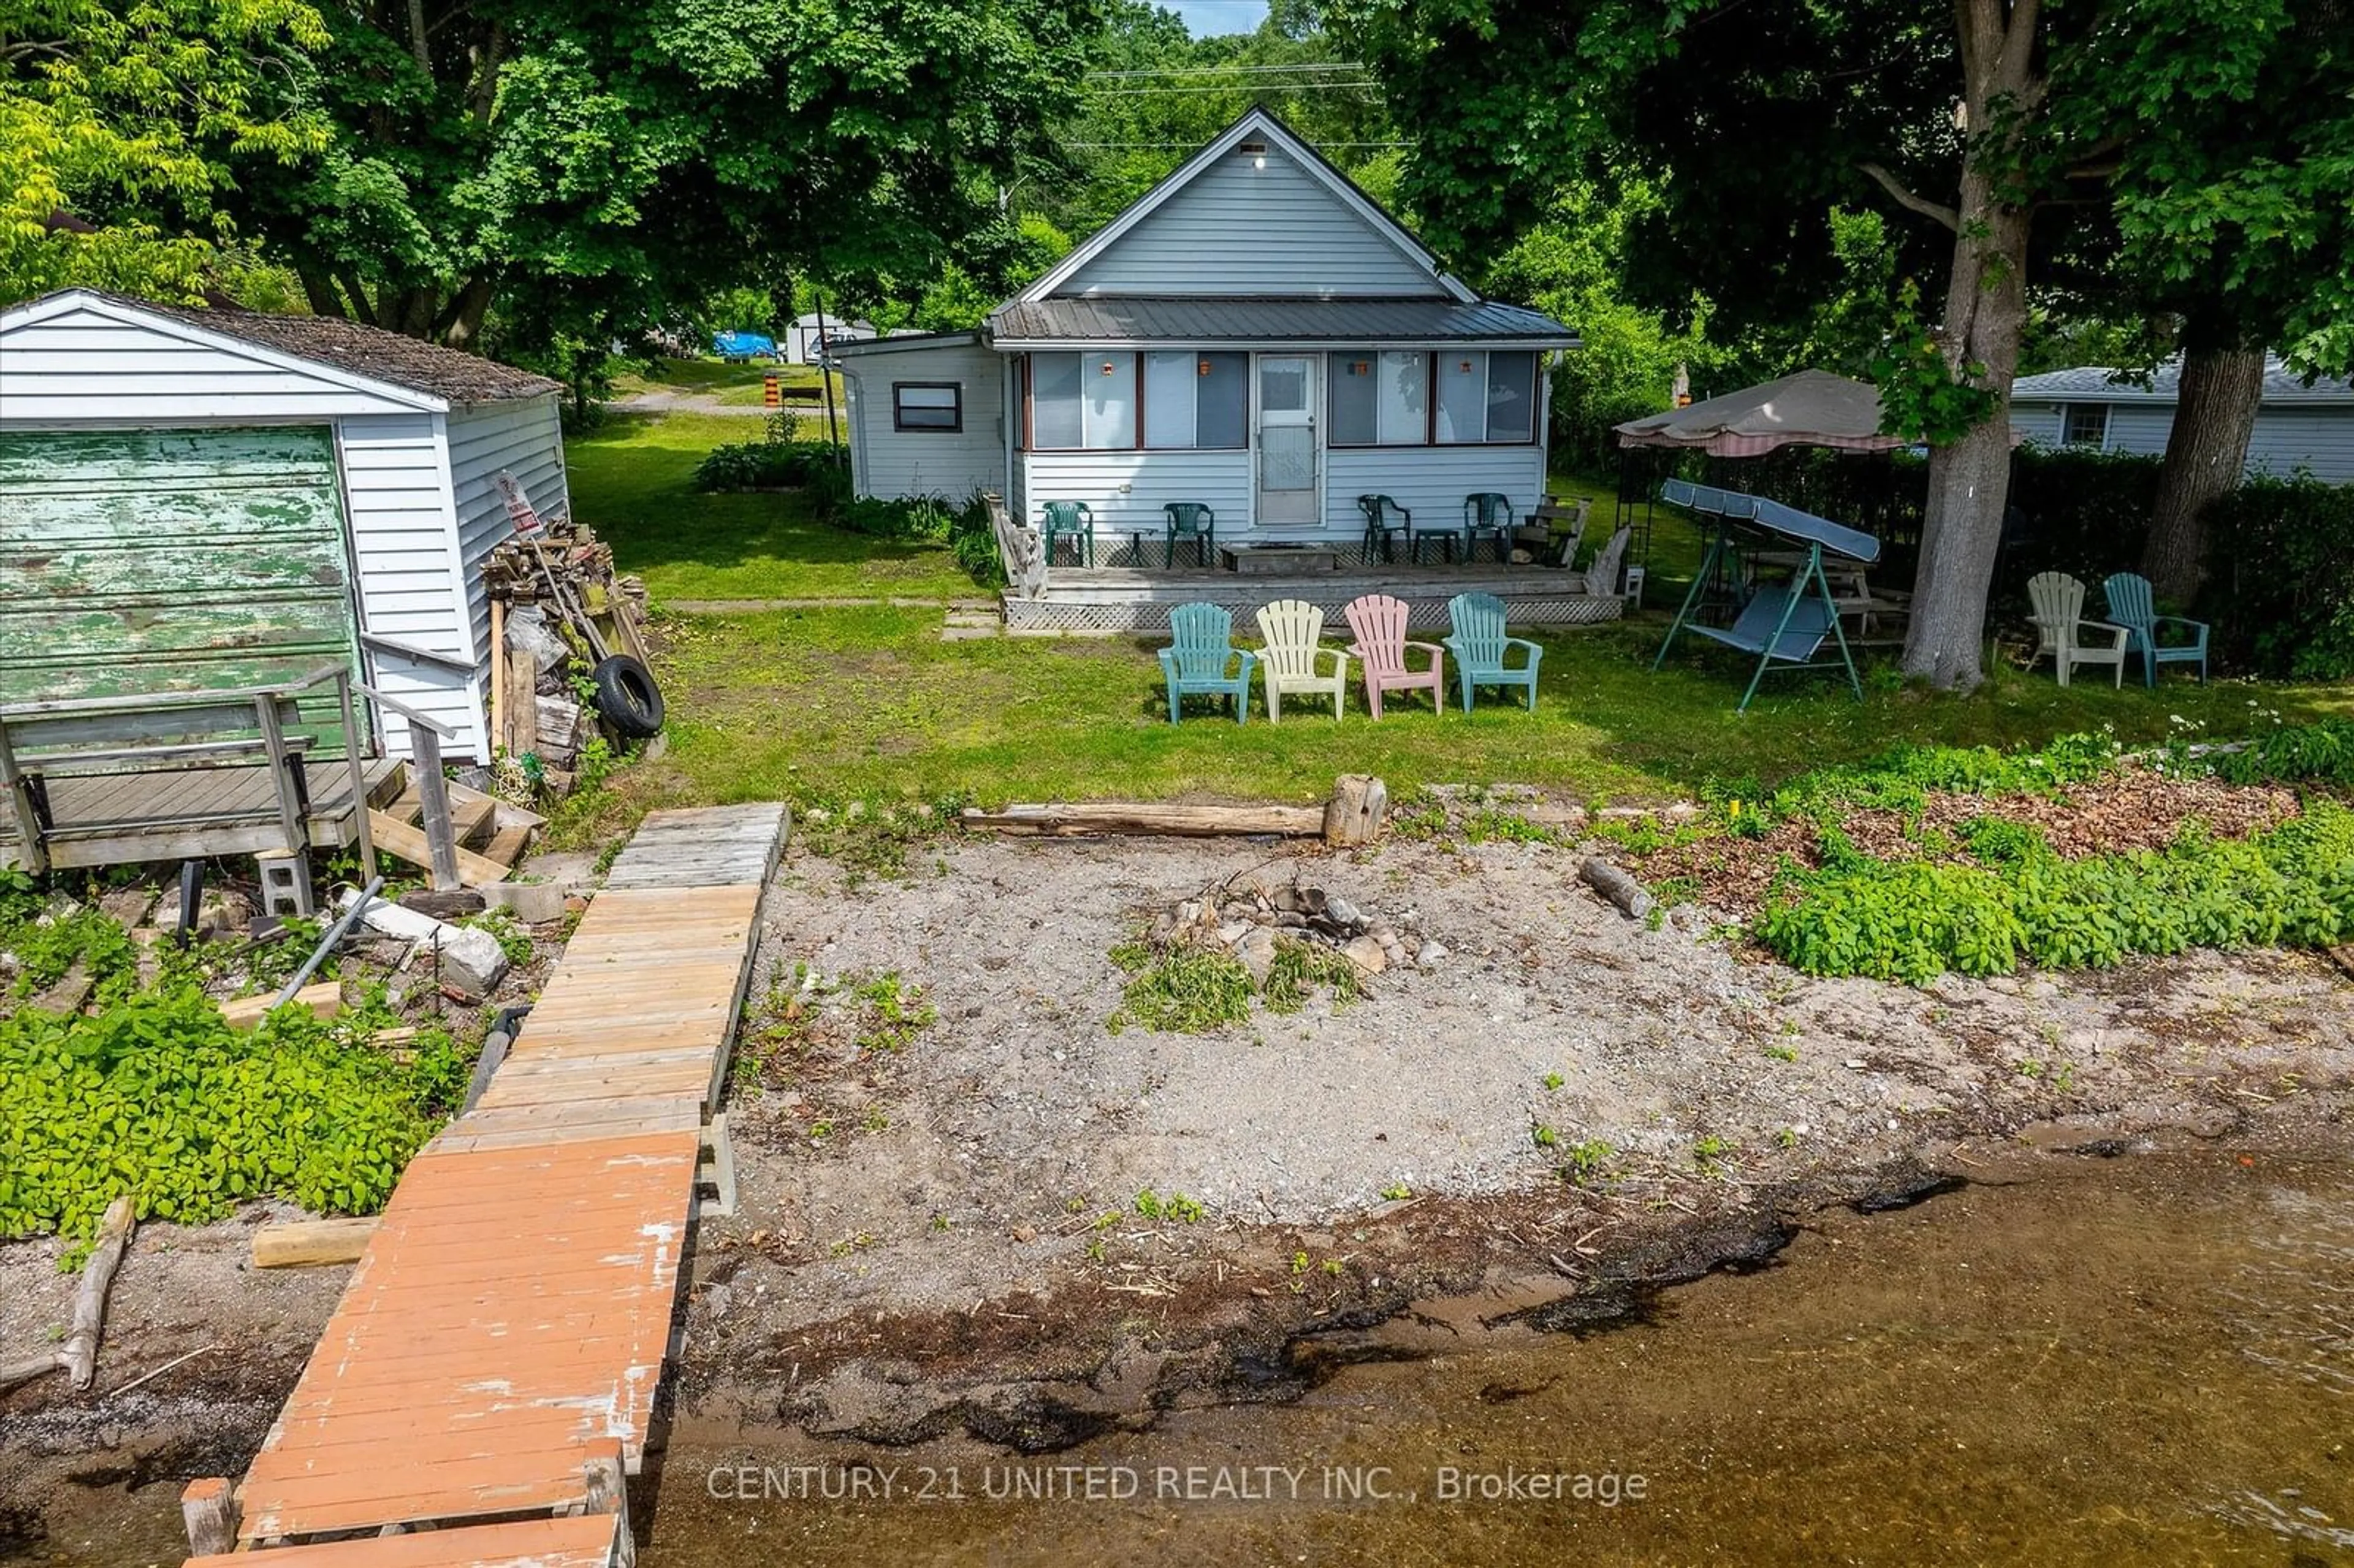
(2099, 383)
(1202, 320)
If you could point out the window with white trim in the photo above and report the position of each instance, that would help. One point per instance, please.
(927, 405)
(1197, 401)
(2084, 425)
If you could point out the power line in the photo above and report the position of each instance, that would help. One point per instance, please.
(1228, 70)
(1239, 86)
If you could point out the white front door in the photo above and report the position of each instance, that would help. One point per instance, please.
(1287, 440)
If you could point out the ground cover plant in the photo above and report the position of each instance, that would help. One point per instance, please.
(2074, 854)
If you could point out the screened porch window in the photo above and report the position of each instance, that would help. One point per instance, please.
(1174, 400)
(1406, 397)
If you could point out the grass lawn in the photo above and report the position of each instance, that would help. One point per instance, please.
(737, 385)
(632, 481)
(842, 703)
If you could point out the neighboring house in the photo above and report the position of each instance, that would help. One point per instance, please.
(1254, 333)
(2298, 427)
(198, 499)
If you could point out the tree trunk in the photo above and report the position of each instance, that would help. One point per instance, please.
(1969, 478)
(2206, 452)
(1986, 312)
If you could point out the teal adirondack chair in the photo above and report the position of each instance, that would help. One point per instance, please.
(1189, 518)
(1076, 519)
(2130, 607)
(1479, 646)
(1201, 647)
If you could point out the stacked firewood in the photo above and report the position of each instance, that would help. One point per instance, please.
(536, 703)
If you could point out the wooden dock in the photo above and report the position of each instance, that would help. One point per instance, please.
(491, 1372)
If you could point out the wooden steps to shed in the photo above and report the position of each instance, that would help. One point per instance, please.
(492, 833)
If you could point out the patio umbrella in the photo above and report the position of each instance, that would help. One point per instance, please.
(1811, 408)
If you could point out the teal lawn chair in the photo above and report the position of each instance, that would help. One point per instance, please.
(2130, 606)
(1075, 518)
(1478, 646)
(1201, 647)
(1489, 511)
(1190, 519)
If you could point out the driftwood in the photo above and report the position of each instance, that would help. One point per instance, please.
(1616, 887)
(1355, 814)
(78, 1356)
(300, 1243)
(1019, 549)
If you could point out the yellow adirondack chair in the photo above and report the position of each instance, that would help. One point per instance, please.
(1292, 659)
(2058, 600)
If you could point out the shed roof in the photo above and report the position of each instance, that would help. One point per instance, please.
(2096, 384)
(1196, 321)
(386, 357)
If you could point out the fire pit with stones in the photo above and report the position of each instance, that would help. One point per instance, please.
(1250, 922)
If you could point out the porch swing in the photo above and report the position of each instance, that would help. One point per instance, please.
(1784, 624)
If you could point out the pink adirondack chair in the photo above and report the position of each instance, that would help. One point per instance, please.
(1378, 622)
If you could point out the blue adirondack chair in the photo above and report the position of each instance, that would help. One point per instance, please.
(1189, 517)
(1478, 646)
(1201, 647)
(1075, 518)
(2130, 606)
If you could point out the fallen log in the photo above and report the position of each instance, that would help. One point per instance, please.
(1110, 817)
(78, 1356)
(1616, 887)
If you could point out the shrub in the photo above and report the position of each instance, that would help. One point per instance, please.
(768, 465)
(2280, 586)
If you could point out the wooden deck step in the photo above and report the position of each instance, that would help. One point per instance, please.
(473, 814)
(507, 845)
(406, 841)
(583, 1540)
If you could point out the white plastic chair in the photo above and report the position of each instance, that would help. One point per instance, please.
(2060, 629)
(1294, 630)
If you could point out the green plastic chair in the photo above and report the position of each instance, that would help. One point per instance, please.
(1201, 647)
(1384, 519)
(1480, 647)
(1489, 511)
(1075, 518)
(2131, 607)
(1192, 518)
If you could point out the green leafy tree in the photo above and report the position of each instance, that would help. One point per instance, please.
(122, 126)
(2007, 133)
(619, 161)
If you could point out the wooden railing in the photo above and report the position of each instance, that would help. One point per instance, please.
(1019, 549)
(182, 731)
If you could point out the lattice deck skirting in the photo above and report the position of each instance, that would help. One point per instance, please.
(1075, 602)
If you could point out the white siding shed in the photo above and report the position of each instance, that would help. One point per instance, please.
(2299, 429)
(419, 433)
(899, 464)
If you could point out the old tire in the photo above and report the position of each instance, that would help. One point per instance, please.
(628, 697)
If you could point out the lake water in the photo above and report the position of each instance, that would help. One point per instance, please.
(2143, 1359)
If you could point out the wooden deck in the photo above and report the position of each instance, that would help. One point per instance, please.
(1126, 598)
(117, 818)
(498, 1349)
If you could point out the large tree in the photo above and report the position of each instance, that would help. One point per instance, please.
(123, 127)
(2004, 130)
(611, 157)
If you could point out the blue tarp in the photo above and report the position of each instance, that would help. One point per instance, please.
(743, 345)
(1772, 516)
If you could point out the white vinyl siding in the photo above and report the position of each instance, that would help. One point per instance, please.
(2036, 422)
(1238, 228)
(897, 465)
(79, 367)
(1220, 480)
(524, 438)
(412, 588)
(2288, 439)
(1429, 482)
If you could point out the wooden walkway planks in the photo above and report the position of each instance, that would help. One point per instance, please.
(105, 818)
(583, 1542)
(499, 1345)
